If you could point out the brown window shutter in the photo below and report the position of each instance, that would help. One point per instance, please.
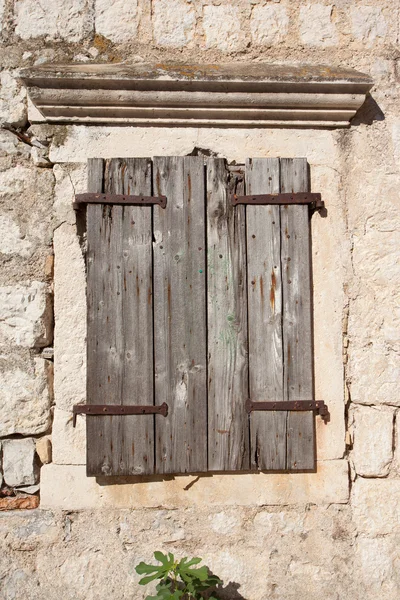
(120, 319)
(280, 334)
(199, 305)
(180, 315)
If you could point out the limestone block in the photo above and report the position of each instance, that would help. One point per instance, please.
(13, 110)
(222, 28)
(269, 24)
(375, 372)
(70, 180)
(44, 450)
(70, 319)
(12, 241)
(67, 487)
(375, 257)
(116, 20)
(379, 562)
(69, 443)
(316, 26)
(24, 401)
(368, 24)
(19, 462)
(19, 503)
(26, 315)
(372, 441)
(376, 506)
(10, 145)
(173, 22)
(69, 20)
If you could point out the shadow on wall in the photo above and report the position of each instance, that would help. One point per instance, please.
(230, 592)
(367, 113)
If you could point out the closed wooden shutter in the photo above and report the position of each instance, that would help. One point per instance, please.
(200, 305)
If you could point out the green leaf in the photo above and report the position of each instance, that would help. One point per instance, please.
(146, 580)
(145, 568)
(162, 558)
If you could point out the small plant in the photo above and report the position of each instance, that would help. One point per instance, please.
(178, 580)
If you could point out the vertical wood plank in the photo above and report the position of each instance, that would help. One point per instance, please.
(228, 429)
(120, 328)
(267, 429)
(297, 324)
(180, 315)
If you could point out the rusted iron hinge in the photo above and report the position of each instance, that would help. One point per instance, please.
(82, 199)
(313, 200)
(296, 405)
(118, 409)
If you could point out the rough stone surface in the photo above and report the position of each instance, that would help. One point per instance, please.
(65, 486)
(24, 399)
(26, 315)
(81, 544)
(376, 506)
(12, 101)
(368, 24)
(375, 372)
(70, 308)
(19, 462)
(316, 26)
(69, 443)
(173, 22)
(53, 19)
(19, 503)
(44, 450)
(372, 441)
(116, 20)
(12, 241)
(222, 28)
(269, 24)
(379, 562)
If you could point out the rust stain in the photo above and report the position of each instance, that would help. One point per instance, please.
(272, 291)
(133, 449)
(149, 296)
(189, 187)
(262, 289)
(137, 286)
(223, 430)
(288, 354)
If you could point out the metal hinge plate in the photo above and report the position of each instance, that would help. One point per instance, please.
(295, 405)
(105, 410)
(313, 200)
(83, 199)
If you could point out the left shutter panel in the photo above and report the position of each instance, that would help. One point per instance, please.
(119, 319)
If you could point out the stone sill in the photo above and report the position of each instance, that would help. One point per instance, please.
(239, 95)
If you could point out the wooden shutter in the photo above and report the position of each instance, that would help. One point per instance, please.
(200, 305)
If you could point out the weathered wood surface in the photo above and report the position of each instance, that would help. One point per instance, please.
(120, 323)
(267, 429)
(180, 315)
(228, 429)
(297, 322)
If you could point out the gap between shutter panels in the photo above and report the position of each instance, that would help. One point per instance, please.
(261, 358)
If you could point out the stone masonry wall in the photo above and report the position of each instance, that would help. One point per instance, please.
(332, 535)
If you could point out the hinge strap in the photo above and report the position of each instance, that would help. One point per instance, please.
(314, 200)
(294, 405)
(118, 409)
(83, 199)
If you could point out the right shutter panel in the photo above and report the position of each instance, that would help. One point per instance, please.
(279, 316)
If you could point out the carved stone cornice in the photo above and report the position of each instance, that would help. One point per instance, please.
(234, 95)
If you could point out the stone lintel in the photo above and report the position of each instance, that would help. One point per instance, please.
(234, 95)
